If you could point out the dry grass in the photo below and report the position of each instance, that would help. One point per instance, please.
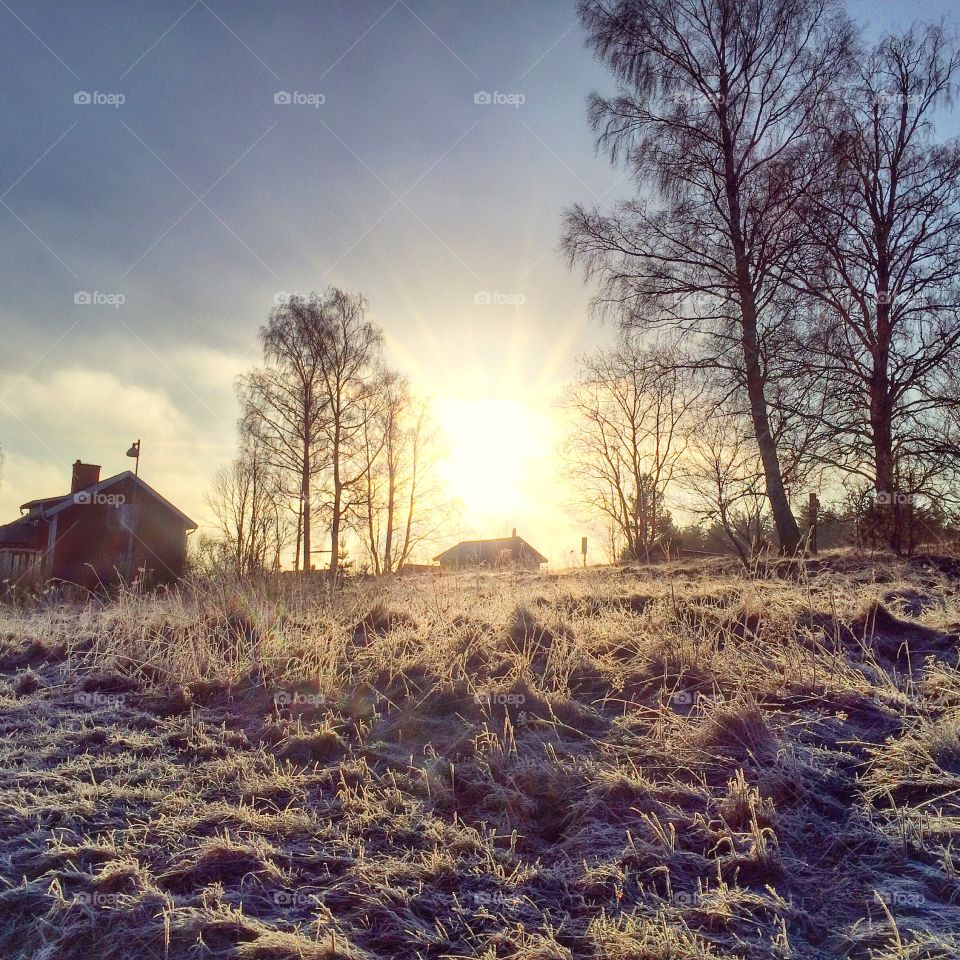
(636, 765)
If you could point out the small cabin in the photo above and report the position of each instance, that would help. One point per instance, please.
(505, 552)
(101, 532)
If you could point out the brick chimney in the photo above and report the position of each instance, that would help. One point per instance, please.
(514, 534)
(84, 475)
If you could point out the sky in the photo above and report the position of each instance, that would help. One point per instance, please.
(171, 167)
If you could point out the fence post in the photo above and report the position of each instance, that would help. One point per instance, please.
(814, 508)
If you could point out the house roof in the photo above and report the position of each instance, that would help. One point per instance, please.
(50, 506)
(20, 533)
(490, 551)
(42, 502)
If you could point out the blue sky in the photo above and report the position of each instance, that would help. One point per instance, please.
(198, 198)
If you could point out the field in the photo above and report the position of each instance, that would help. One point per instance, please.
(677, 762)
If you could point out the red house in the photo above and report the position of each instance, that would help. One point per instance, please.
(101, 532)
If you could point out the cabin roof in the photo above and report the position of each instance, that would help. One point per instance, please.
(20, 532)
(479, 550)
(46, 507)
(42, 502)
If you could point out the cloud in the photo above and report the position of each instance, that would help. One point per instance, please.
(25, 478)
(94, 415)
(91, 404)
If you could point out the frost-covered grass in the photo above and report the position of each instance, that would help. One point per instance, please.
(674, 762)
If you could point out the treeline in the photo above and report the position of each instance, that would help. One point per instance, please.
(785, 279)
(331, 440)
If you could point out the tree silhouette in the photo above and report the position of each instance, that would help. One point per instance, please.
(716, 115)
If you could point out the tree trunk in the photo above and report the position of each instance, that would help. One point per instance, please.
(888, 495)
(335, 536)
(371, 532)
(391, 505)
(881, 405)
(337, 499)
(296, 554)
(788, 532)
(305, 480)
(408, 529)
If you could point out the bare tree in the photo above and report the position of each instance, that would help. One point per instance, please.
(348, 357)
(325, 411)
(405, 505)
(423, 506)
(629, 410)
(284, 406)
(883, 243)
(380, 428)
(723, 473)
(716, 116)
(250, 508)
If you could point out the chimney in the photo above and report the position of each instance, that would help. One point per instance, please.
(514, 534)
(84, 475)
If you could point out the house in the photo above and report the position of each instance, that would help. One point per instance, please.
(100, 532)
(418, 568)
(512, 551)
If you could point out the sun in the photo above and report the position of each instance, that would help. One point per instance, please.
(496, 452)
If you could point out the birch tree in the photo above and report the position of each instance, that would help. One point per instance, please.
(882, 247)
(715, 119)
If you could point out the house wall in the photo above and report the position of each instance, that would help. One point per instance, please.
(92, 538)
(22, 546)
(20, 566)
(471, 561)
(501, 553)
